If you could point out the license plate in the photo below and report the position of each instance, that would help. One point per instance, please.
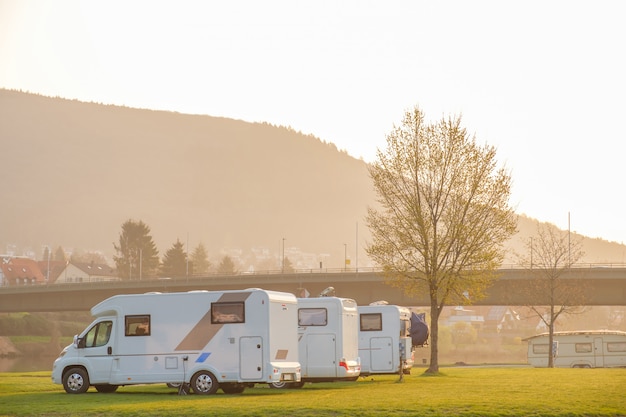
(287, 377)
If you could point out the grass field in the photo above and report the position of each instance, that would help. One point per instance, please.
(456, 392)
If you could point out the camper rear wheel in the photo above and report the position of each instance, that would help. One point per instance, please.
(204, 383)
(106, 388)
(280, 385)
(76, 381)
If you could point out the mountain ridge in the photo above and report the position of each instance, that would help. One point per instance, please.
(75, 171)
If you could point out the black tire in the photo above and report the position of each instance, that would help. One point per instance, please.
(204, 383)
(106, 388)
(297, 384)
(76, 381)
(232, 388)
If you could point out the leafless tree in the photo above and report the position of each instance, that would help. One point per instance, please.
(550, 255)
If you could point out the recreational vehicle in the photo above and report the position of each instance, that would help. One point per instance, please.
(385, 346)
(199, 339)
(579, 349)
(328, 344)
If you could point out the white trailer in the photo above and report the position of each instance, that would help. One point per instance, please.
(579, 349)
(328, 344)
(199, 339)
(385, 346)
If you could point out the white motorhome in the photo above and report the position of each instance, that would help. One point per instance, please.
(328, 344)
(385, 346)
(579, 349)
(199, 339)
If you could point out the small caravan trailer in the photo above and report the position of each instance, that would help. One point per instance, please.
(208, 340)
(579, 349)
(328, 343)
(385, 346)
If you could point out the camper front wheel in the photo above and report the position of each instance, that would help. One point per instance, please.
(204, 383)
(76, 381)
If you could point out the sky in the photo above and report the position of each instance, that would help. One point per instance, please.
(542, 81)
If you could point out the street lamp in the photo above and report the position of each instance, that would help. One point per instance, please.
(345, 256)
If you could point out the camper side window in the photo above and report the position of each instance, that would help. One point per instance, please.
(583, 347)
(541, 348)
(312, 317)
(138, 325)
(228, 313)
(616, 346)
(371, 322)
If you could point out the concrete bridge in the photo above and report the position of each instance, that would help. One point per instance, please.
(604, 285)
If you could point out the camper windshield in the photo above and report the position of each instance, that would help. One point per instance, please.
(98, 335)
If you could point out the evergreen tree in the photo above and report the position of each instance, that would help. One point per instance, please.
(227, 266)
(46, 254)
(137, 255)
(59, 255)
(175, 261)
(200, 260)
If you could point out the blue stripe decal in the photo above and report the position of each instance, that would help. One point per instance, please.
(203, 357)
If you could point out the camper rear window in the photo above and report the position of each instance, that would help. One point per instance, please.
(228, 312)
(371, 322)
(312, 317)
(137, 325)
(616, 346)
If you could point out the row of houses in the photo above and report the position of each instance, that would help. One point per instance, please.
(25, 271)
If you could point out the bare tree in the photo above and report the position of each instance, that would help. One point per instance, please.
(551, 254)
(444, 216)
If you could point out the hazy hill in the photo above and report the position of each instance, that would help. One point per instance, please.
(73, 172)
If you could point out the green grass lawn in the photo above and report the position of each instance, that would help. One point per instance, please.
(456, 392)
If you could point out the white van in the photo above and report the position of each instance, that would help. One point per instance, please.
(385, 346)
(579, 349)
(328, 341)
(205, 340)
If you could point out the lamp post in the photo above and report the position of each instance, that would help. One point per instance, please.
(345, 257)
(48, 268)
(140, 263)
(282, 261)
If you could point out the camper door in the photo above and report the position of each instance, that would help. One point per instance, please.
(96, 347)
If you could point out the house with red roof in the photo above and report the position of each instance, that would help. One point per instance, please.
(20, 271)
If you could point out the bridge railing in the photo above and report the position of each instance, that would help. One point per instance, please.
(244, 275)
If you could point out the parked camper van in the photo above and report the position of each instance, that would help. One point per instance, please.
(328, 343)
(580, 349)
(208, 340)
(385, 346)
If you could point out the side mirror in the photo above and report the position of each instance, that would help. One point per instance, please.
(79, 342)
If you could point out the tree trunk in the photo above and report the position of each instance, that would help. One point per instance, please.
(551, 350)
(433, 368)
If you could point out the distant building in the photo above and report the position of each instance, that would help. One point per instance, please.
(20, 271)
(77, 272)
